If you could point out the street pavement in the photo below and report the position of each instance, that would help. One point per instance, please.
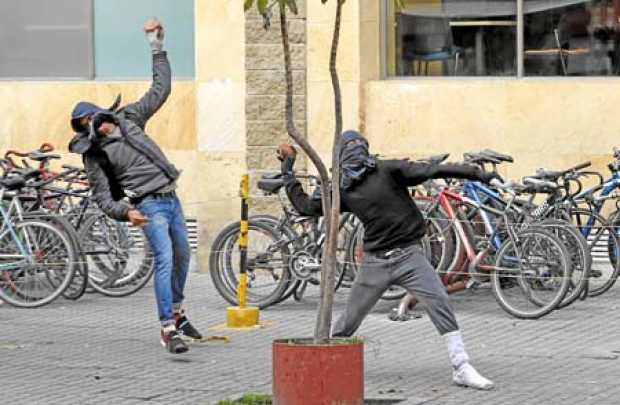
(102, 350)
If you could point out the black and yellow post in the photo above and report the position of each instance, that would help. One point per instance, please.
(243, 316)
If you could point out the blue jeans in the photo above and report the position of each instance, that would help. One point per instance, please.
(167, 235)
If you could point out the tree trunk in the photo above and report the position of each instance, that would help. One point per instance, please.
(291, 128)
(329, 255)
(328, 275)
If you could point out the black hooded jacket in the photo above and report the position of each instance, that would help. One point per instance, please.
(382, 201)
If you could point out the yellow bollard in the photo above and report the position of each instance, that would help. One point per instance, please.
(243, 316)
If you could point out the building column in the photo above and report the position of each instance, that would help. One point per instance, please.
(220, 117)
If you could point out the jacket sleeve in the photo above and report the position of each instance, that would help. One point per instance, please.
(308, 206)
(303, 204)
(414, 173)
(141, 111)
(100, 187)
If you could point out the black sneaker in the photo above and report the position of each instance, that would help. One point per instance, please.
(186, 329)
(172, 341)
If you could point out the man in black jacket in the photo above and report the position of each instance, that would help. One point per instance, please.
(121, 160)
(376, 191)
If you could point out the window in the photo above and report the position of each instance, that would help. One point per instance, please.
(572, 38)
(452, 38)
(479, 38)
(87, 39)
(120, 48)
(45, 38)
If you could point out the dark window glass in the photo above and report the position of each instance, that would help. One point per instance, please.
(45, 39)
(571, 38)
(452, 38)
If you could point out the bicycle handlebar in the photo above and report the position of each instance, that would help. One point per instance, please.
(580, 167)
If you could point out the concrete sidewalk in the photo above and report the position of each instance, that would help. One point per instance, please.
(102, 350)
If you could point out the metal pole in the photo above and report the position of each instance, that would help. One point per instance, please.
(520, 38)
(243, 241)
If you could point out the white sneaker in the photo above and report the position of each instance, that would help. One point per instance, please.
(467, 376)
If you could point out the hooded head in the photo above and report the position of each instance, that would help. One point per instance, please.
(355, 159)
(97, 116)
(81, 110)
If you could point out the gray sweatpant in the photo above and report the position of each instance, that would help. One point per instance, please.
(410, 270)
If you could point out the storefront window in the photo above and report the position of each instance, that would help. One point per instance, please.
(479, 38)
(572, 38)
(451, 38)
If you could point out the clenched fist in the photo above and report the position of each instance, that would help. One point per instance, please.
(287, 155)
(154, 33)
(286, 151)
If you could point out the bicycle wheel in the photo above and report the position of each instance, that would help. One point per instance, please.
(37, 263)
(119, 258)
(440, 237)
(268, 275)
(532, 274)
(79, 282)
(580, 259)
(603, 244)
(285, 232)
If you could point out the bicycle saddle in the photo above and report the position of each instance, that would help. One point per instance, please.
(26, 173)
(497, 155)
(271, 183)
(480, 158)
(13, 183)
(41, 157)
(544, 174)
(535, 185)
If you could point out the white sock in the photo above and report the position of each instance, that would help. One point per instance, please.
(456, 349)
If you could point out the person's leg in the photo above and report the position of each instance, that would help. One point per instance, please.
(181, 253)
(156, 231)
(181, 257)
(416, 274)
(370, 283)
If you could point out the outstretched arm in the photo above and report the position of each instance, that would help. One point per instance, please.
(414, 173)
(141, 111)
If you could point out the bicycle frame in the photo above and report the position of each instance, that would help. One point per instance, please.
(445, 199)
(598, 203)
(8, 228)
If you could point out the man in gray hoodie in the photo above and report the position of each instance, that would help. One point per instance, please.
(122, 161)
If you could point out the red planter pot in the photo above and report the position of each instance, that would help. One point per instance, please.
(309, 374)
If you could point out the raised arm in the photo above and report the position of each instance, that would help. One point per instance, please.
(141, 111)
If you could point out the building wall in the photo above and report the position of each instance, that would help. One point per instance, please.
(228, 118)
(266, 93)
(550, 122)
(201, 127)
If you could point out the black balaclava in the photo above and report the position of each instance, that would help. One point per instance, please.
(355, 160)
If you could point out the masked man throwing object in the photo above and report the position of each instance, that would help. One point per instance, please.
(121, 160)
(376, 191)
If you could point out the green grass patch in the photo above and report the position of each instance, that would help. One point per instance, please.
(248, 399)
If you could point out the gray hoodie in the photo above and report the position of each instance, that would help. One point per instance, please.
(132, 164)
